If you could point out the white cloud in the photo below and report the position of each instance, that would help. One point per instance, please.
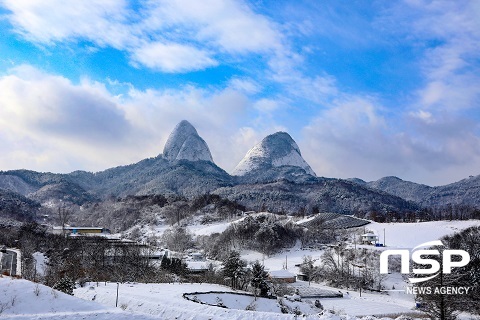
(319, 89)
(355, 138)
(249, 86)
(231, 25)
(267, 105)
(172, 57)
(431, 140)
(52, 21)
(48, 123)
(449, 32)
(38, 102)
(52, 124)
(167, 36)
(425, 116)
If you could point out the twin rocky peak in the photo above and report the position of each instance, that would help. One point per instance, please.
(275, 150)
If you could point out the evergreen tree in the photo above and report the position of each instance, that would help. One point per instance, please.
(234, 268)
(259, 279)
(165, 263)
(65, 285)
(174, 265)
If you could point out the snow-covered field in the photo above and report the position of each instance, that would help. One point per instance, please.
(166, 301)
(21, 299)
(409, 235)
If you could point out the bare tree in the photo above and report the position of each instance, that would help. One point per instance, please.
(178, 239)
(309, 269)
(63, 215)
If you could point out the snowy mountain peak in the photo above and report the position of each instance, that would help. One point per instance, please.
(275, 150)
(184, 143)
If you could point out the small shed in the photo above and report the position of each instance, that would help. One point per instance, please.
(369, 238)
(197, 263)
(302, 277)
(284, 276)
(197, 256)
(197, 266)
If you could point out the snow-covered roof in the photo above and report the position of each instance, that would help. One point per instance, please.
(369, 235)
(78, 228)
(197, 265)
(281, 274)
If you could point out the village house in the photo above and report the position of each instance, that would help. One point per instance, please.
(369, 238)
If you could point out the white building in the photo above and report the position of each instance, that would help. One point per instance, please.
(369, 238)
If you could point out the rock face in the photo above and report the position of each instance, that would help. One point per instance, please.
(184, 143)
(275, 150)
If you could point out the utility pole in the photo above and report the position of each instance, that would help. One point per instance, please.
(359, 282)
(116, 300)
(384, 244)
(11, 263)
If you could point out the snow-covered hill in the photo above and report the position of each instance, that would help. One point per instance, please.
(21, 299)
(465, 192)
(184, 143)
(275, 150)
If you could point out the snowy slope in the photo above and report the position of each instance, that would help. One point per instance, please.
(21, 299)
(16, 184)
(275, 150)
(184, 143)
(398, 235)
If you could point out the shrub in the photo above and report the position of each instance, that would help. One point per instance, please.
(65, 285)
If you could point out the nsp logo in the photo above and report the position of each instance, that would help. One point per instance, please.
(417, 257)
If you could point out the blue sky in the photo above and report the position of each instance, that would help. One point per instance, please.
(366, 88)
